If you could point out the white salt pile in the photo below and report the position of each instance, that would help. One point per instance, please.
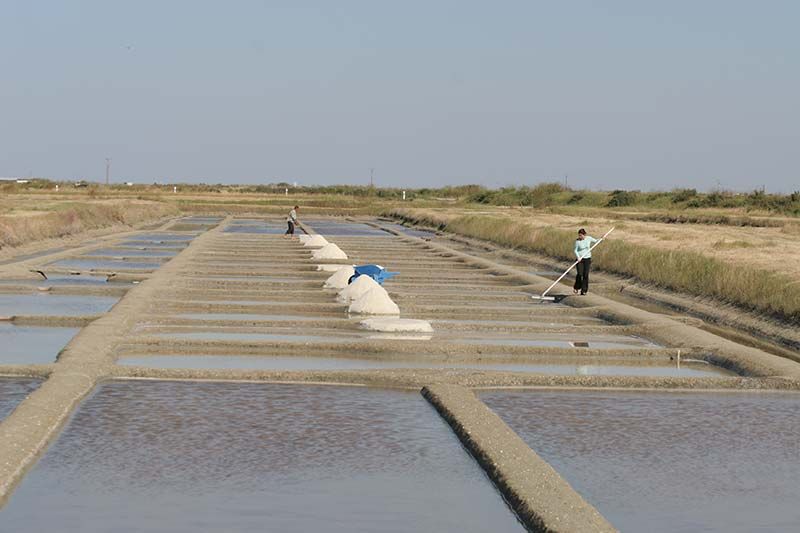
(331, 268)
(375, 301)
(315, 241)
(397, 325)
(340, 278)
(361, 285)
(304, 238)
(329, 251)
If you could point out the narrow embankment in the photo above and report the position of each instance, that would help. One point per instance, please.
(750, 289)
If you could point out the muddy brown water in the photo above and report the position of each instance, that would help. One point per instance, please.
(187, 457)
(669, 461)
(13, 391)
(344, 363)
(54, 304)
(31, 345)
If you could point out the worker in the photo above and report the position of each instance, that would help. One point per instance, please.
(291, 220)
(583, 254)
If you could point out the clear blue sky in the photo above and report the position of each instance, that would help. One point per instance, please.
(635, 94)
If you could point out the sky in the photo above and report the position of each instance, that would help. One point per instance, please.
(603, 94)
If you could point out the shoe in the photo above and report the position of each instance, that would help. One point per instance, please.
(583, 294)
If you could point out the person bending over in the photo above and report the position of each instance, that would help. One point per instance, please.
(291, 220)
(583, 254)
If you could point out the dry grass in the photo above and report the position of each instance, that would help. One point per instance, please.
(68, 218)
(681, 270)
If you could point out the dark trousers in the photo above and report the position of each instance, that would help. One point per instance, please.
(582, 279)
(290, 231)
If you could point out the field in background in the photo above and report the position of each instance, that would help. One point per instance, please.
(735, 248)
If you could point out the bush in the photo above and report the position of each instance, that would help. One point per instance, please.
(621, 198)
(683, 195)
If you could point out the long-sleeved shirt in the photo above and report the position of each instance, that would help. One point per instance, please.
(582, 247)
(292, 217)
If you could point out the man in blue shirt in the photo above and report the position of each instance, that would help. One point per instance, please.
(583, 254)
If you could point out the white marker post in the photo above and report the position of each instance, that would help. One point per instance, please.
(544, 296)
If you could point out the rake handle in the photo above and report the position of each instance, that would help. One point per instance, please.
(592, 247)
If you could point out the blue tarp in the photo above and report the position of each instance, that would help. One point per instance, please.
(376, 272)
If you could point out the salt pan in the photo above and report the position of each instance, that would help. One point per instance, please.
(329, 251)
(316, 241)
(340, 278)
(375, 301)
(397, 325)
(361, 285)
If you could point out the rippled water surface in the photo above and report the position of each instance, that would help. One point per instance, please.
(13, 391)
(54, 304)
(669, 461)
(188, 457)
(28, 345)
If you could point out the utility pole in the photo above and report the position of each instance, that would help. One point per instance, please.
(372, 177)
(108, 169)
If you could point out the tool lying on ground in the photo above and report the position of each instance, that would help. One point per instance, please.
(544, 296)
(376, 272)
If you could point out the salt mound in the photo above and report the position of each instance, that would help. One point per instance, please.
(375, 301)
(329, 251)
(316, 241)
(340, 278)
(361, 285)
(304, 238)
(331, 268)
(397, 324)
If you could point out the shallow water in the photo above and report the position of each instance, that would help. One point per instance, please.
(247, 316)
(163, 237)
(58, 280)
(135, 243)
(130, 252)
(340, 363)
(346, 229)
(32, 345)
(234, 336)
(622, 343)
(13, 391)
(669, 461)
(267, 229)
(96, 264)
(187, 457)
(40, 304)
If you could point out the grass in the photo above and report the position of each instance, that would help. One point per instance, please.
(69, 218)
(684, 271)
